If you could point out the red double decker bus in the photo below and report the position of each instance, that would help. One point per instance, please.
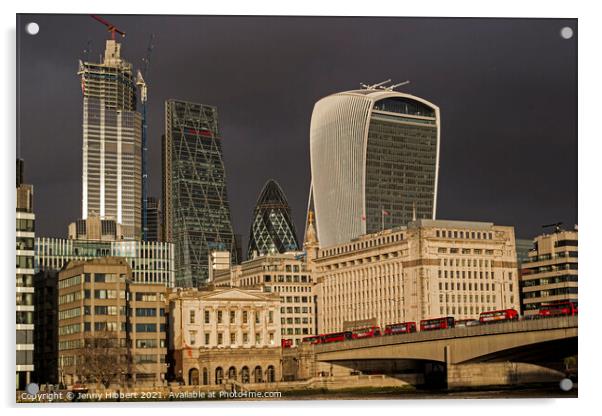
(369, 332)
(490, 317)
(314, 339)
(336, 337)
(558, 309)
(286, 343)
(437, 323)
(400, 328)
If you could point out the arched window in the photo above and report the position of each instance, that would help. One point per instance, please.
(219, 375)
(205, 376)
(232, 373)
(193, 377)
(271, 374)
(257, 376)
(244, 374)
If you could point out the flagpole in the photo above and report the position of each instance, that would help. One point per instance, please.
(382, 218)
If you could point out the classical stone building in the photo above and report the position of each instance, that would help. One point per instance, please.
(221, 334)
(550, 274)
(429, 269)
(104, 316)
(287, 276)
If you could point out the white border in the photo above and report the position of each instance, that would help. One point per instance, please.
(589, 35)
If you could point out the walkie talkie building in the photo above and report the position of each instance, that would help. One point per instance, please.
(374, 162)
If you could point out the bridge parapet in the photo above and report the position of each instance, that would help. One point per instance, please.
(530, 325)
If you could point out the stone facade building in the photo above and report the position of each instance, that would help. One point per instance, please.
(224, 334)
(287, 276)
(550, 274)
(429, 269)
(101, 311)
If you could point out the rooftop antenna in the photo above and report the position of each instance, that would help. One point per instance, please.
(374, 86)
(392, 87)
(556, 226)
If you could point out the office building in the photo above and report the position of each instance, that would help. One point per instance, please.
(105, 317)
(374, 158)
(196, 210)
(287, 276)
(112, 135)
(151, 261)
(25, 236)
(272, 230)
(551, 273)
(429, 269)
(95, 228)
(224, 334)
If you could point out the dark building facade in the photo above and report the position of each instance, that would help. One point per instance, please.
(46, 339)
(153, 219)
(272, 230)
(196, 211)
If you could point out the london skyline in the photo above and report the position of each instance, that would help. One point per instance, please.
(508, 132)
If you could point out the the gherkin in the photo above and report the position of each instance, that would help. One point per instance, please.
(272, 230)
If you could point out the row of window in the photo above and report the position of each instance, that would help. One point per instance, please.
(192, 337)
(246, 316)
(456, 250)
(464, 273)
(474, 235)
(468, 286)
(362, 245)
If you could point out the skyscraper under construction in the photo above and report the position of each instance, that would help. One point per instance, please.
(112, 131)
(196, 211)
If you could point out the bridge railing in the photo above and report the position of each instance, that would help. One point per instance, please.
(471, 331)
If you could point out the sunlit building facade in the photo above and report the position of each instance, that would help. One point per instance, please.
(429, 269)
(551, 273)
(375, 158)
(112, 135)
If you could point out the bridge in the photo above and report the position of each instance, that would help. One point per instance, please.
(501, 351)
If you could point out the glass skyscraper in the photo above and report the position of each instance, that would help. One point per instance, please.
(112, 135)
(374, 162)
(273, 230)
(196, 212)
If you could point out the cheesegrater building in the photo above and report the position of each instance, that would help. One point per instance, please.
(374, 157)
(273, 230)
(112, 135)
(196, 211)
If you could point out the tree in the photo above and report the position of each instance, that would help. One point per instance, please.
(103, 359)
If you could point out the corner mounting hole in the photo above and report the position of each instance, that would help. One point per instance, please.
(32, 28)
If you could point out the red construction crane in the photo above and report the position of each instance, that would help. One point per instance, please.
(110, 27)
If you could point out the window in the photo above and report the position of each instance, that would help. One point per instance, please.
(220, 338)
(192, 337)
(232, 317)
(207, 338)
(191, 316)
(245, 317)
(245, 338)
(207, 317)
(219, 317)
(258, 338)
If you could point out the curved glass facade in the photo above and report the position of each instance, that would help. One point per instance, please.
(374, 161)
(272, 230)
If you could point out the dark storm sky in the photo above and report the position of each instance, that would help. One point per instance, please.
(507, 89)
